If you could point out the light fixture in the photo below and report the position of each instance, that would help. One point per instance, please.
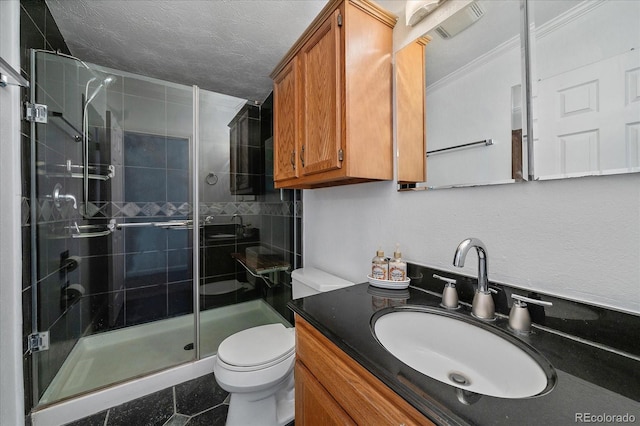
(417, 10)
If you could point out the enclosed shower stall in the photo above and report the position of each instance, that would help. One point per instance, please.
(149, 205)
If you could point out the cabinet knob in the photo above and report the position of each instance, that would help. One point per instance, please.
(302, 155)
(293, 159)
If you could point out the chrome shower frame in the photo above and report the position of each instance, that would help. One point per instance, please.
(85, 135)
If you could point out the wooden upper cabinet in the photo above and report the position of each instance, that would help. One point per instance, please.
(344, 110)
(321, 64)
(411, 112)
(285, 124)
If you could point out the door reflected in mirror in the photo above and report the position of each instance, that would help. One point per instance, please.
(586, 92)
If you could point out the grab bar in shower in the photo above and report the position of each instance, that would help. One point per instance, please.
(172, 224)
(110, 174)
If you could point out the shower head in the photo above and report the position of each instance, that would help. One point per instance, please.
(104, 83)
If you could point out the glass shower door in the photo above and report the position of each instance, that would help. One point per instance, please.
(111, 236)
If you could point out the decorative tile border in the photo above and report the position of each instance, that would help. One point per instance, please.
(47, 212)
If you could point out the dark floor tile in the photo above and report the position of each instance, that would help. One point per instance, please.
(214, 417)
(177, 420)
(198, 395)
(151, 410)
(95, 420)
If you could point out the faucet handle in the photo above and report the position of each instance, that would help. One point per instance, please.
(519, 318)
(449, 294)
(522, 301)
(447, 280)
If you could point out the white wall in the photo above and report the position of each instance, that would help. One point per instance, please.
(11, 394)
(577, 238)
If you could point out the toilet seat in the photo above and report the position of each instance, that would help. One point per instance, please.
(257, 348)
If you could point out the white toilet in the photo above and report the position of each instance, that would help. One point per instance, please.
(256, 365)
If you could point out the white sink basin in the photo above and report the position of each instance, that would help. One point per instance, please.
(461, 352)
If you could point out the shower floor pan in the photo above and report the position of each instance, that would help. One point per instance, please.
(107, 358)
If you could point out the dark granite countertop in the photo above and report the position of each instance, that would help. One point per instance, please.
(593, 379)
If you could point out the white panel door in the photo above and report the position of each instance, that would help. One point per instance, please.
(588, 119)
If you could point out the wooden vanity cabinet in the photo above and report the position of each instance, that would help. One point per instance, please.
(314, 405)
(333, 100)
(333, 389)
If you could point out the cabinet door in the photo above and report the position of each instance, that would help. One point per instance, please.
(314, 405)
(410, 112)
(285, 122)
(321, 63)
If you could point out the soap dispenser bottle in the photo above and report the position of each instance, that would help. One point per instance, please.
(397, 266)
(379, 266)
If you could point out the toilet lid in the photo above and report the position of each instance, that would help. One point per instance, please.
(258, 346)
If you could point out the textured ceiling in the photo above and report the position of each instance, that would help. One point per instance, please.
(226, 46)
(231, 46)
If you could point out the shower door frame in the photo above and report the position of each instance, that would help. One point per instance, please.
(33, 190)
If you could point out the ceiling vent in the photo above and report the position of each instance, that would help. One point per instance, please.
(460, 21)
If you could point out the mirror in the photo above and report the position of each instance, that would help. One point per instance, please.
(473, 82)
(586, 88)
(585, 102)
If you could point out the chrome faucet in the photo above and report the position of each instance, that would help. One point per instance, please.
(483, 306)
(239, 217)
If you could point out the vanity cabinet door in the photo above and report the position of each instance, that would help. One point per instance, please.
(321, 107)
(326, 374)
(314, 405)
(286, 122)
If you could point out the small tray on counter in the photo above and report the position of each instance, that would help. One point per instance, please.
(393, 285)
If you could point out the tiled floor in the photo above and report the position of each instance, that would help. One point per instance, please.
(198, 402)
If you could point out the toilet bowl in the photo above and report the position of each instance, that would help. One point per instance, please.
(256, 365)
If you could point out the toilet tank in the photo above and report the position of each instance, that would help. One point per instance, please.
(309, 281)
